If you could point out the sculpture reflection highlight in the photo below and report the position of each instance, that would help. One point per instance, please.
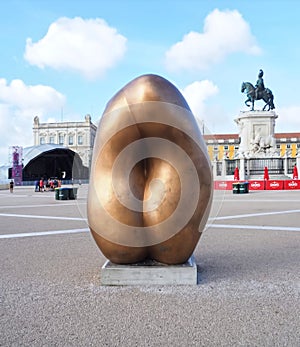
(150, 188)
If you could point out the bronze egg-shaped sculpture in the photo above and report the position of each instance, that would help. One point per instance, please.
(151, 185)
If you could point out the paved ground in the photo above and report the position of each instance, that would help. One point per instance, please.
(248, 293)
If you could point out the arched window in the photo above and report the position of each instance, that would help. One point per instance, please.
(80, 139)
(71, 140)
(43, 137)
(61, 139)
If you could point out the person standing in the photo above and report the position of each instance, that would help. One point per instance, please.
(11, 186)
(41, 185)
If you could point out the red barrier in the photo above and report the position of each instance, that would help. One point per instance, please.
(257, 185)
(291, 184)
(261, 184)
(274, 185)
(223, 185)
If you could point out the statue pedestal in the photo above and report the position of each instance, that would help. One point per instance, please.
(256, 131)
(149, 273)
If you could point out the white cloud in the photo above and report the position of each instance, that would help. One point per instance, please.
(87, 46)
(288, 119)
(19, 103)
(196, 94)
(224, 32)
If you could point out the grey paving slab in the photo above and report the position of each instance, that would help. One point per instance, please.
(248, 293)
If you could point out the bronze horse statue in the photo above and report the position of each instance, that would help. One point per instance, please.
(266, 95)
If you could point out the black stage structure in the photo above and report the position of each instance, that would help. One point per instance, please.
(52, 161)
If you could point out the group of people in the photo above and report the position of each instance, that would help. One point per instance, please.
(44, 185)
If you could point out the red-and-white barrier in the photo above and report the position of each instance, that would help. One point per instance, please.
(274, 185)
(223, 185)
(257, 185)
(261, 184)
(291, 184)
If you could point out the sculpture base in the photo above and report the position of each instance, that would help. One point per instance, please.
(256, 132)
(149, 273)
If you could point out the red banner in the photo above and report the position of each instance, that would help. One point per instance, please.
(261, 184)
(256, 185)
(292, 184)
(274, 185)
(223, 185)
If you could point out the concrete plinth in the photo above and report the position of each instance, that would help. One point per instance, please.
(149, 273)
(256, 132)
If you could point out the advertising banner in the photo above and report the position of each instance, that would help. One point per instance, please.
(257, 185)
(274, 185)
(223, 185)
(291, 184)
(16, 171)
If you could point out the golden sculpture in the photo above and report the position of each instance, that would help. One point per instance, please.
(150, 188)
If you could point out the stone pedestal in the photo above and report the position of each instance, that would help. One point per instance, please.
(149, 273)
(242, 169)
(256, 131)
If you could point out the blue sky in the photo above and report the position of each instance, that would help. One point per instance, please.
(63, 59)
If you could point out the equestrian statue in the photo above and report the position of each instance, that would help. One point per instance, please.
(258, 92)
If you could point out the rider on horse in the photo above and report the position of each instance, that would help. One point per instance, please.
(259, 87)
(258, 92)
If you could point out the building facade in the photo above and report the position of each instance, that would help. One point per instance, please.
(77, 136)
(80, 136)
(222, 146)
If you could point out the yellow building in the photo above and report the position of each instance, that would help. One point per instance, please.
(222, 146)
